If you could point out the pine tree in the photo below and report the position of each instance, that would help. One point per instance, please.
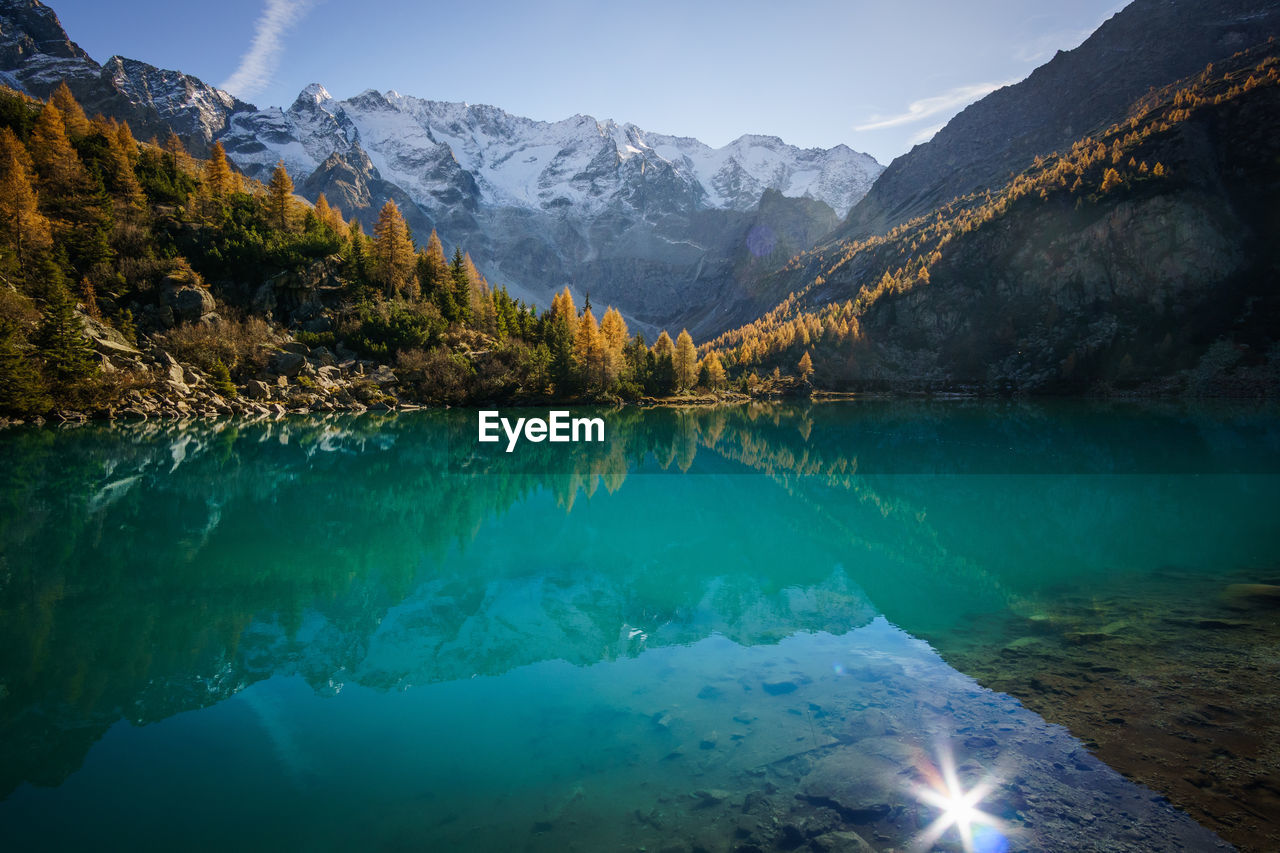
(220, 379)
(23, 226)
(279, 197)
(806, 365)
(460, 282)
(392, 250)
(433, 273)
(1110, 180)
(77, 123)
(217, 172)
(21, 391)
(560, 327)
(685, 360)
(479, 297)
(61, 340)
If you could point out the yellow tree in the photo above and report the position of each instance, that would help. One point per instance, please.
(217, 172)
(24, 228)
(588, 351)
(685, 360)
(614, 331)
(120, 177)
(715, 370)
(392, 250)
(481, 300)
(179, 160)
(433, 267)
(329, 215)
(73, 116)
(806, 365)
(280, 197)
(58, 167)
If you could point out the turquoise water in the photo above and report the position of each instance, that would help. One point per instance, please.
(763, 627)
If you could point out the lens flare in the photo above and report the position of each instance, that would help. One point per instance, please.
(979, 832)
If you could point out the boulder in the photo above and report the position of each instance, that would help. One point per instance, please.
(323, 356)
(257, 390)
(190, 303)
(286, 363)
(105, 339)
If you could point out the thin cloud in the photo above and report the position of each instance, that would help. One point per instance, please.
(924, 135)
(259, 62)
(928, 107)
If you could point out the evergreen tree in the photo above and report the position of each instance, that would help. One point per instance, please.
(279, 197)
(21, 390)
(560, 328)
(61, 340)
(460, 281)
(393, 250)
(685, 361)
(220, 379)
(433, 273)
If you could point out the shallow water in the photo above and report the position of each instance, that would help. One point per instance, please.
(762, 627)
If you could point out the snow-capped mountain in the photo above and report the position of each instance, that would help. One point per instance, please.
(538, 165)
(657, 225)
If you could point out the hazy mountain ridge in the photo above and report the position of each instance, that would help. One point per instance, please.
(1148, 44)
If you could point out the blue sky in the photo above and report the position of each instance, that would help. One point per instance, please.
(878, 77)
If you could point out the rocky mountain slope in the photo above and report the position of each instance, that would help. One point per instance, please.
(656, 225)
(1150, 43)
(1141, 258)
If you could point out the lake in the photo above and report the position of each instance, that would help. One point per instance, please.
(842, 626)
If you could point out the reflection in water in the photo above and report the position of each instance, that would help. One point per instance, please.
(715, 636)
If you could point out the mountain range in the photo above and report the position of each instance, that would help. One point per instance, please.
(912, 276)
(665, 228)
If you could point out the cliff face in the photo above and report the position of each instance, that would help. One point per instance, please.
(1148, 44)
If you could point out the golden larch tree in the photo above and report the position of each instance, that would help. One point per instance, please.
(806, 365)
(57, 165)
(217, 172)
(685, 360)
(588, 351)
(614, 331)
(280, 197)
(392, 250)
(77, 123)
(24, 228)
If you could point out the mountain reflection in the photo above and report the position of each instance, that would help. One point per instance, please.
(147, 569)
